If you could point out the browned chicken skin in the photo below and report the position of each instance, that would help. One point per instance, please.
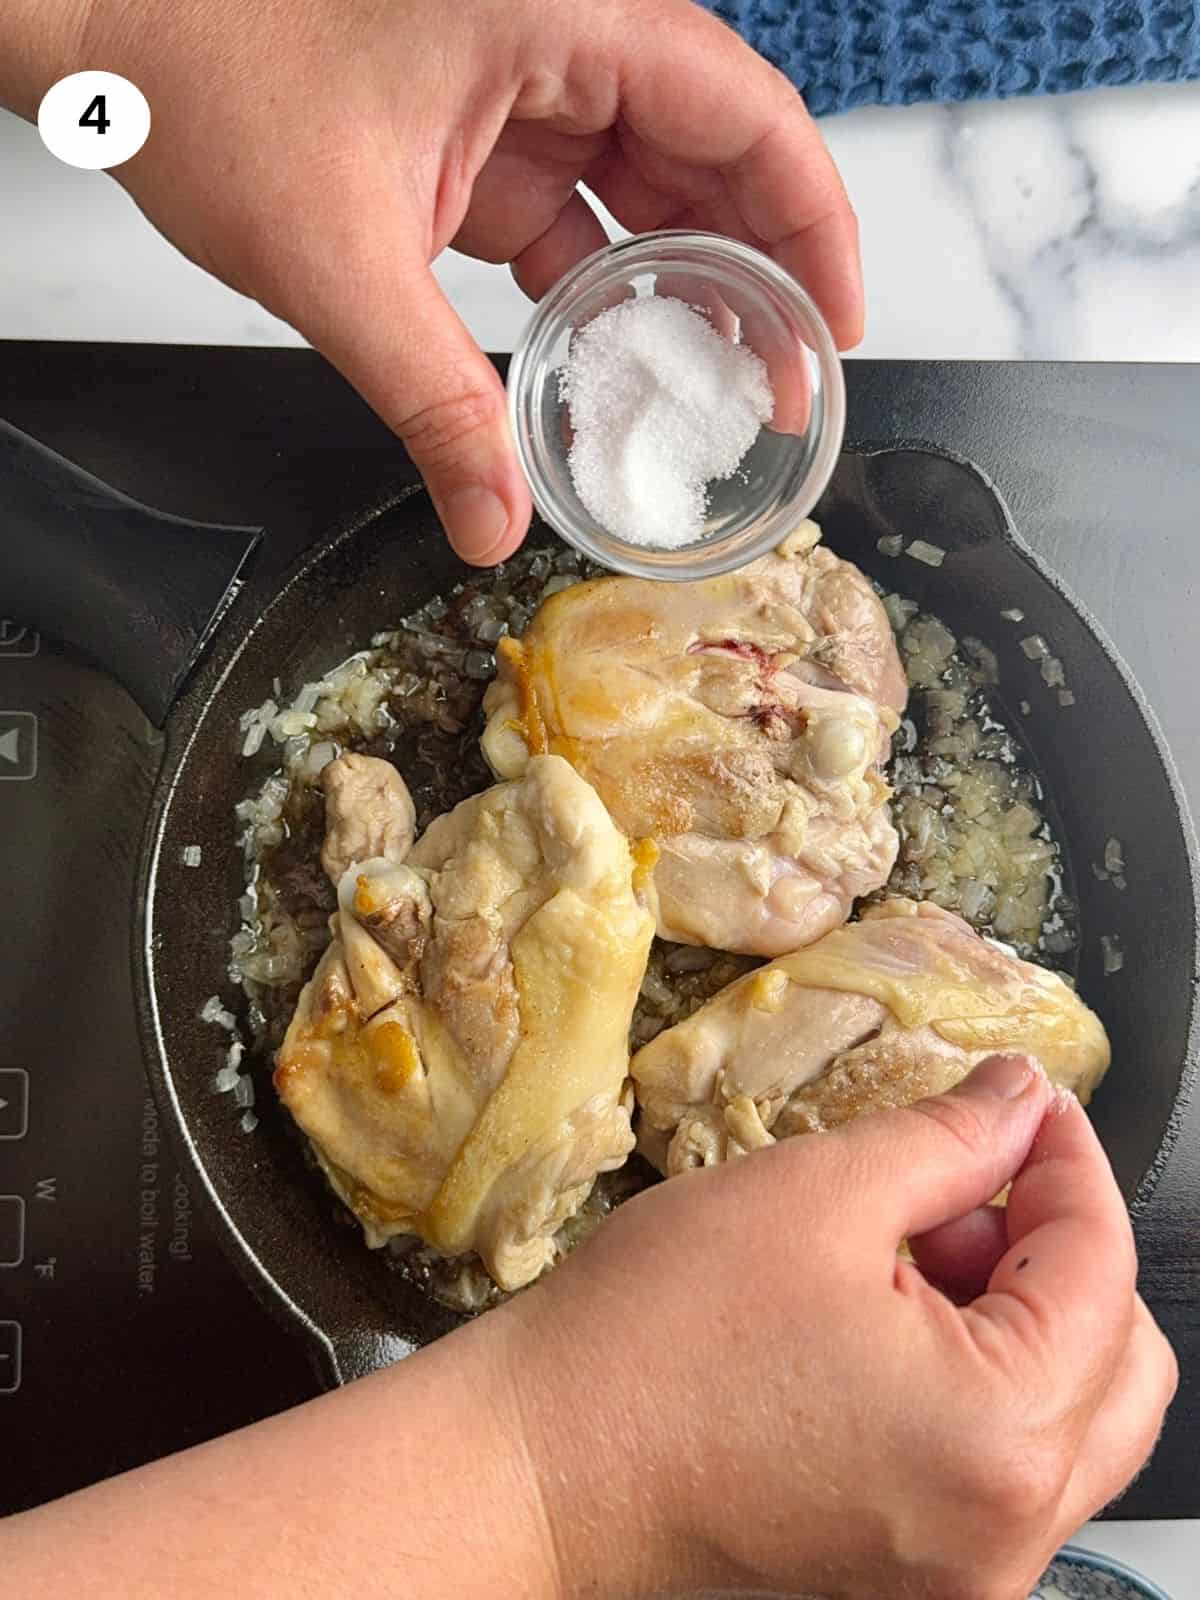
(739, 722)
(882, 1012)
(459, 1058)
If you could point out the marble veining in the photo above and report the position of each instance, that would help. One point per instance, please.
(1083, 258)
(1064, 227)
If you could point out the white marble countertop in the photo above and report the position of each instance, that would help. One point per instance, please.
(1050, 229)
(1042, 229)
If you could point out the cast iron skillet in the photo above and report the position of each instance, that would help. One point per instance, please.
(143, 595)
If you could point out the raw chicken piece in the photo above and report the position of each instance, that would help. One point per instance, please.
(368, 813)
(739, 722)
(879, 1013)
(459, 1058)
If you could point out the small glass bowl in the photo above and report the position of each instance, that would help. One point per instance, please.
(749, 299)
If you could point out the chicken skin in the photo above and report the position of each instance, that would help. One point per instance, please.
(368, 812)
(739, 722)
(459, 1058)
(881, 1012)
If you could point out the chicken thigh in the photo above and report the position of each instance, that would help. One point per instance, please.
(459, 1058)
(368, 812)
(882, 1012)
(739, 722)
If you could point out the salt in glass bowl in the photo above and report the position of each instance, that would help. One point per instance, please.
(750, 300)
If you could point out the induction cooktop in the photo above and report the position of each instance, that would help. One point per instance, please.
(124, 1333)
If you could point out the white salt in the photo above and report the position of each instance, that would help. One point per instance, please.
(660, 406)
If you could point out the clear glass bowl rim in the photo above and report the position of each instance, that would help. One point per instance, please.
(688, 249)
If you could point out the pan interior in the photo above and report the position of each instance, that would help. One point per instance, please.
(1100, 757)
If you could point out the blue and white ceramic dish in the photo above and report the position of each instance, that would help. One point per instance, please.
(1077, 1574)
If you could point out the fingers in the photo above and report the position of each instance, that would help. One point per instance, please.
(1125, 1428)
(815, 239)
(918, 1168)
(691, 197)
(787, 366)
(764, 144)
(1063, 1291)
(574, 234)
(961, 1256)
(383, 321)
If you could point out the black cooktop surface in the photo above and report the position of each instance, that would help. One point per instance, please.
(124, 1334)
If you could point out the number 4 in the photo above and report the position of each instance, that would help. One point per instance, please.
(95, 117)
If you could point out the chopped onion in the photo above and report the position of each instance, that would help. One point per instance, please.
(984, 658)
(1114, 857)
(288, 724)
(249, 1122)
(1065, 697)
(689, 958)
(1013, 614)
(973, 898)
(191, 855)
(892, 544)
(318, 757)
(1052, 672)
(900, 611)
(931, 555)
(655, 990)
(1113, 955)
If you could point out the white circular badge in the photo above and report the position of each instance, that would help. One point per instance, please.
(94, 119)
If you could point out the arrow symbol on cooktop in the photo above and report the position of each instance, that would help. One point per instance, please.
(18, 745)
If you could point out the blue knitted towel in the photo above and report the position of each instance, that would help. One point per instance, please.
(844, 53)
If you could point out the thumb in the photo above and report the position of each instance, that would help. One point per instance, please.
(397, 339)
(930, 1163)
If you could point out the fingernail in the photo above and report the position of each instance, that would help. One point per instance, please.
(476, 520)
(1001, 1077)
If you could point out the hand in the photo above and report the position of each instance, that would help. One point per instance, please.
(736, 1385)
(318, 154)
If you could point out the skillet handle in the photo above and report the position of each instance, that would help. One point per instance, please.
(135, 590)
(346, 1354)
